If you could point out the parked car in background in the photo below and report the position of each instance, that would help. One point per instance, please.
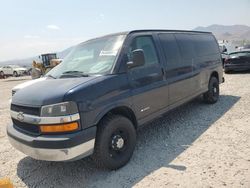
(12, 70)
(247, 46)
(237, 61)
(28, 71)
(1, 76)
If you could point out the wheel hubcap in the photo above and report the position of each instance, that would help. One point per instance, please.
(215, 90)
(117, 142)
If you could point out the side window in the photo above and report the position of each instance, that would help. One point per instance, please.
(205, 45)
(146, 44)
(185, 42)
(200, 45)
(171, 50)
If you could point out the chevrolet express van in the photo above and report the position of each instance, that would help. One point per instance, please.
(106, 88)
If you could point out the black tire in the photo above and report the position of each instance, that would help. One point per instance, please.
(15, 74)
(2, 74)
(115, 142)
(212, 95)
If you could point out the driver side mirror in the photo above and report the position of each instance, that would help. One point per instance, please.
(138, 59)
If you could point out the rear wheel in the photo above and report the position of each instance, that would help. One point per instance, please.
(212, 95)
(2, 74)
(15, 74)
(115, 142)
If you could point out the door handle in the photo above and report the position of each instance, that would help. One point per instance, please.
(163, 71)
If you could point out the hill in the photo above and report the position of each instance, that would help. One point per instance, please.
(228, 32)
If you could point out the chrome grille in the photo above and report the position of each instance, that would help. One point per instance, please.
(26, 127)
(26, 110)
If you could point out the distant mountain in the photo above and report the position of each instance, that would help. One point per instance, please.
(228, 32)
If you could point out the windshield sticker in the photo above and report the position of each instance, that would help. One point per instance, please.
(108, 53)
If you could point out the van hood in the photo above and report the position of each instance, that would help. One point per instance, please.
(28, 83)
(46, 91)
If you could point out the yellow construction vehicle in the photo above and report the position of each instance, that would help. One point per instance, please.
(49, 61)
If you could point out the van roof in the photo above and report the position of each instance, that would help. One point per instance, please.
(150, 30)
(155, 30)
(163, 30)
(159, 30)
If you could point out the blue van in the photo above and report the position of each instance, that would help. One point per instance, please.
(106, 88)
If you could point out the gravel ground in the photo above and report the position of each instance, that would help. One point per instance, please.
(196, 145)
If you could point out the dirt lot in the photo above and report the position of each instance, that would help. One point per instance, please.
(196, 145)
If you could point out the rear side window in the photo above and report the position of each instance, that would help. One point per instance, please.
(171, 50)
(185, 42)
(146, 44)
(205, 45)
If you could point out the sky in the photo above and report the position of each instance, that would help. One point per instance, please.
(31, 27)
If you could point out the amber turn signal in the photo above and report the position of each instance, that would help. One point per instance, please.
(5, 183)
(59, 128)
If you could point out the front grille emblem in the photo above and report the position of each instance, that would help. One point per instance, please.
(20, 116)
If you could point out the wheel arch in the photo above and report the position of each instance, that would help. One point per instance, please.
(15, 71)
(122, 110)
(214, 74)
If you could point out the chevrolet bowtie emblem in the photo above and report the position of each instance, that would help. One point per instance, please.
(20, 116)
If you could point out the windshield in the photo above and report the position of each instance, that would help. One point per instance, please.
(96, 56)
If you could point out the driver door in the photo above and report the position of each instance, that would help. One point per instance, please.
(149, 88)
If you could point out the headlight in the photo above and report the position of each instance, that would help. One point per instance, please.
(60, 109)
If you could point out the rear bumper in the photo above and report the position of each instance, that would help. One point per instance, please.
(54, 147)
(20, 72)
(229, 67)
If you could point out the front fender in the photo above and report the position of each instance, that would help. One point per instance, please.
(111, 107)
(92, 118)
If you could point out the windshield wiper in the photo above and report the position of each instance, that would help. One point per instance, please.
(73, 74)
(50, 76)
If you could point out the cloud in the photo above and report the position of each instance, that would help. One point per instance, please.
(101, 16)
(53, 27)
(31, 37)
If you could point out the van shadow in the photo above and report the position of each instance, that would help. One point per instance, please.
(158, 143)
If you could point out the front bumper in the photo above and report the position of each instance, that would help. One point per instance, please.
(66, 147)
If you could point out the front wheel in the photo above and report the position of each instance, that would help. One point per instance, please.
(212, 95)
(15, 74)
(2, 74)
(115, 142)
